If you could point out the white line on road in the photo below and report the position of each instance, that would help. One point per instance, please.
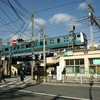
(2, 85)
(17, 82)
(53, 95)
(12, 82)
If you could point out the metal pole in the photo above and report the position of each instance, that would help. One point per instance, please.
(32, 45)
(44, 55)
(9, 62)
(90, 15)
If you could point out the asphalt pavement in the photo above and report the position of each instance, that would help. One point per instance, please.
(14, 86)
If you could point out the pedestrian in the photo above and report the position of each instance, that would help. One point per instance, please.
(38, 75)
(2, 73)
(15, 73)
(52, 73)
(22, 76)
(63, 75)
(64, 71)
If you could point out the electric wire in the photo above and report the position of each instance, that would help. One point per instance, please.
(23, 8)
(59, 6)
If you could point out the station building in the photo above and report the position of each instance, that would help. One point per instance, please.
(84, 62)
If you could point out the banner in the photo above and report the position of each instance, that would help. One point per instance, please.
(59, 73)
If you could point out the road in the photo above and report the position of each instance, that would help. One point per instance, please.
(45, 91)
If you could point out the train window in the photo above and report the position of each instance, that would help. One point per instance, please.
(78, 35)
(58, 40)
(64, 39)
(18, 47)
(51, 41)
(41, 43)
(22, 46)
(14, 48)
(6, 49)
(45, 42)
(28, 45)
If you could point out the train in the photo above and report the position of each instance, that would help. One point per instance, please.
(63, 41)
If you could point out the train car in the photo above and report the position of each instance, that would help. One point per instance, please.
(64, 41)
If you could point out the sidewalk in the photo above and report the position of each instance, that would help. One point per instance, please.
(71, 83)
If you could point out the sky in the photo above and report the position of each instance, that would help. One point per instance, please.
(56, 16)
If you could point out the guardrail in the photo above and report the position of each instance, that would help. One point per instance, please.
(77, 79)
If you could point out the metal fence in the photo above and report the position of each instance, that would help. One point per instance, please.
(77, 79)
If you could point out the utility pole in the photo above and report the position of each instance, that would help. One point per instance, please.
(90, 17)
(73, 37)
(44, 55)
(32, 45)
(9, 62)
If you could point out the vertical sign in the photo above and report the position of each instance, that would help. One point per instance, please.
(59, 74)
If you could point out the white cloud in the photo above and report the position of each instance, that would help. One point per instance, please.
(82, 6)
(39, 21)
(65, 18)
(60, 17)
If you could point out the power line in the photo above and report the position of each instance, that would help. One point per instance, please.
(23, 8)
(59, 6)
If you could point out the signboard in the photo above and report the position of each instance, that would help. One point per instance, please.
(68, 53)
(14, 42)
(96, 61)
(59, 73)
(3, 58)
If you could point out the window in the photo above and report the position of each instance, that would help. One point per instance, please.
(78, 35)
(70, 69)
(14, 48)
(45, 42)
(28, 45)
(75, 66)
(77, 62)
(58, 40)
(82, 70)
(71, 62)
(17, 47)
(77, 70)
(22, 46)
(6, 49)
(92, 70)
(67, 62)
(81, 61)
(64, 39)
(41, 43)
